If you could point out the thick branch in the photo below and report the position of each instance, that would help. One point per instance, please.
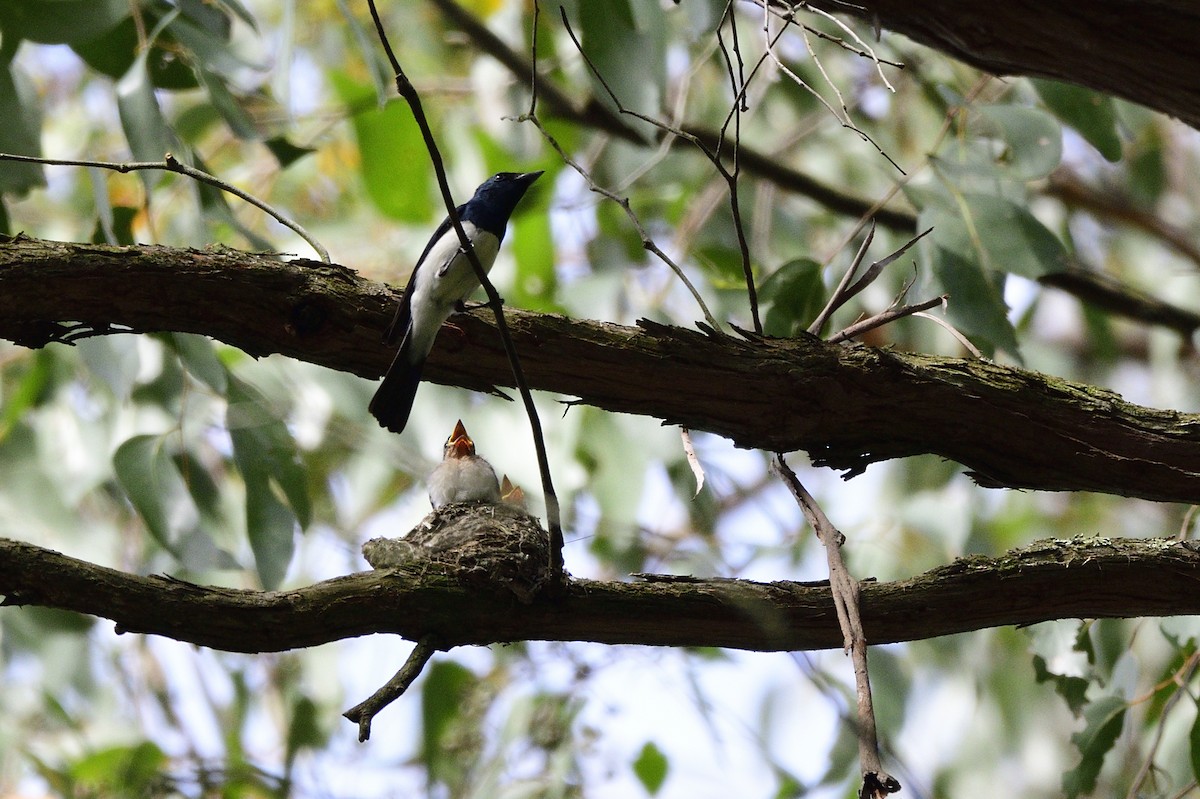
(1144, 52)
(847, 407)
(1095, 578)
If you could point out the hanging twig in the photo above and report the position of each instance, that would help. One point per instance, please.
(364, 712)
(730, 176)
(876, 781)
(171, 164)
(409, 93)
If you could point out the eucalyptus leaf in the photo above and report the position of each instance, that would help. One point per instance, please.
(1089, 112)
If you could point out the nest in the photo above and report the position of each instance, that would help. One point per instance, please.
(480, 544)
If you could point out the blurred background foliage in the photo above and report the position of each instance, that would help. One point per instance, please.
(172, 453)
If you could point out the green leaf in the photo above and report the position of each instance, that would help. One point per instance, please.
(198, 355)
(229, 107)
(25, 388)
(1194, 747)
(1091, 113)
(447, 687)
(19, 135)
(271, 527)
(114, 52)
(650, 767)
(265, 454)
(59, 21)
(626, 44)
(285, 152)
(976, 306)
(1000, 234)
(536, 281)
(304, 729)
(117, 228)
(393, 165)
(146, 130)
(1104, 719)
(1032, 137)
(154, 486)
(121, 770)
(795, 293)
(115, 360)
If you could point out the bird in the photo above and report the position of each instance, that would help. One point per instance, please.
(462, 476)
(441, 280)
(511, 493)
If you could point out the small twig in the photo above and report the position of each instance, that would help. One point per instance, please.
(597, 116)
(738, 86)
(172, 164)
(406, 90)
(846, 290)
(885, 317)
(843, 120)
(689, 450)
(839, 294)
(954, 331)
(1181, 679)
(729, 176)
(876, 781)
(648, 243)
(363, 713)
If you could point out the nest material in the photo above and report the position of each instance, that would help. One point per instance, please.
(479, 543)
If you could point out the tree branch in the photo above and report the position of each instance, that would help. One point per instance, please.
(1092, 578)
(847, 407)
(1149, 48)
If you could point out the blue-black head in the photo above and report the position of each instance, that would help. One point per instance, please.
(496, 198)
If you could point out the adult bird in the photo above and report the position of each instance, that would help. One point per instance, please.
(441, 280)
(462, 476)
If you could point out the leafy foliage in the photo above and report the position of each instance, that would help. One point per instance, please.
(172, 453)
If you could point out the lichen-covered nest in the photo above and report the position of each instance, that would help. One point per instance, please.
(480, 543)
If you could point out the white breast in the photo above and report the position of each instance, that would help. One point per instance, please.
(444, 279)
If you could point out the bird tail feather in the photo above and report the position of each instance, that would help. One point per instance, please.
(393, 399)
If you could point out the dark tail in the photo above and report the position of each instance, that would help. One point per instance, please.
(393, 399)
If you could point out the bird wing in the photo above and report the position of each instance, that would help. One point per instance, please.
(400, 322)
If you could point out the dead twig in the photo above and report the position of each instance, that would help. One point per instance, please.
(171, 164)
(364, 712)
(876, 781)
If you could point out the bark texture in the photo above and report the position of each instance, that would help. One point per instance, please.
(1079, 578)
(847, 406)
(1142, 51)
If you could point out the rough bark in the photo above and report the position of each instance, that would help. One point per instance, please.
(1141, 51)
(847, 407)
(1092, 578)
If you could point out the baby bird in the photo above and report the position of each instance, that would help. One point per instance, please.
(462, 476)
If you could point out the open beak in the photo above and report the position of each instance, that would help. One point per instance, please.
(460, 445)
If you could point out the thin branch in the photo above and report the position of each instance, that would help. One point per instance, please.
(729, 176)
(885, 317)
(648, 243)
(845, 589)
(406, 90)
(596, 115)
(839, 294)
(953, 331)
(843, 120)
(364, 712)
(171, 164)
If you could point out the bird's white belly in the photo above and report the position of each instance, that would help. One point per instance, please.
(445, 278)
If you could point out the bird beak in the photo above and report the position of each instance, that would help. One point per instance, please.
(529, 177)
(460, 445)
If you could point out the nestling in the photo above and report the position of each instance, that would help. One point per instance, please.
(462, 476)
